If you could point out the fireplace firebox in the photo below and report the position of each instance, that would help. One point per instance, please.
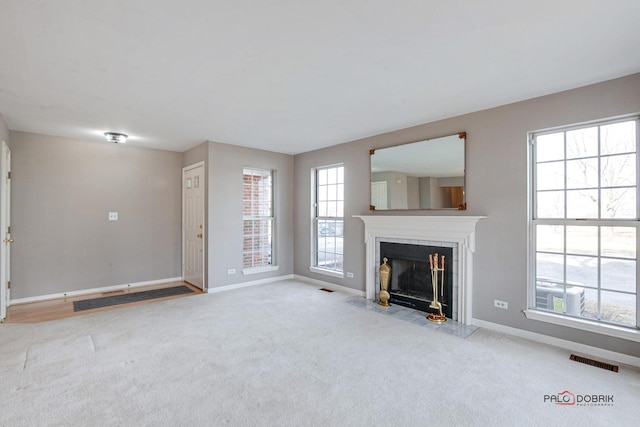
(410, 283)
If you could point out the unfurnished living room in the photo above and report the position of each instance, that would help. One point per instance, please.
(342, 213)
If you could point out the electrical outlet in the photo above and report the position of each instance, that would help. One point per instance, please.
(231, 271)
(350, 275)
(501, 304)
(113, 216)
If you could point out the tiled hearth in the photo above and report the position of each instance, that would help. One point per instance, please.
(414, 316)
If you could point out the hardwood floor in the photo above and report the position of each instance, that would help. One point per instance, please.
(61, 308)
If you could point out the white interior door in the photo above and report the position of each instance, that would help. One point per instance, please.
(193, 232)
(5, 228)
(379, 194)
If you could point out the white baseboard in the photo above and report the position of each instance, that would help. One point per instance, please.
(558, 342)
(328, 285)
(245, 284)
(93, 290)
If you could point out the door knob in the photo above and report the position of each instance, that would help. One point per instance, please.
(8, 240)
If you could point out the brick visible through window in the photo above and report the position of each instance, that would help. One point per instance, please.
(257, 211)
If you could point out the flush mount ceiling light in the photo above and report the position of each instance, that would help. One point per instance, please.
(118, 138)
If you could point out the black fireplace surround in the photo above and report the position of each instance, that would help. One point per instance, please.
(410, 283)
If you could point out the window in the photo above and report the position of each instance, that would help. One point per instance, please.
(257, 200)
(329, 219)
(584, 228)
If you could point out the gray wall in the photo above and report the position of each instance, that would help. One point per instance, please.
(62, 191)
(225, 164)
(413, 192)
(425, 192)
(496, 165)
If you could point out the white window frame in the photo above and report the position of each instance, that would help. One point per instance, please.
(255, 269)
(599, 326)
(316, 218)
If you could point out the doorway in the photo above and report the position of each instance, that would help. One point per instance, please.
(379, 195)
(193, 232)
(5, 228)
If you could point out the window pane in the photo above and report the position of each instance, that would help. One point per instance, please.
(582, 143)
(550, 204)
(322, 209)
(582, 173)
(339, 245)
(590, 304)
(582, 204)
(340, 209)
(550, 176)
(619, 203)
(550, 267)
(321, 241)
(322, 192)
(332, 176)
(331, 192)
(618, 138)
(322, 177)
(618, 241)
(340, 175)
(582, 240)
(326, 228)
(582, 270)
(550, 147)
(618, 275)
(550, 238)
(332, 209)
(619, 171)
(338, 262)
(618, 308)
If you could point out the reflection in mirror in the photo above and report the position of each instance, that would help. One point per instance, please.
(426, 174)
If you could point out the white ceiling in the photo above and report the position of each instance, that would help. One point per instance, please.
(290, 75)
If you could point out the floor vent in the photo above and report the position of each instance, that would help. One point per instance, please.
(113, 292)
(326, 290)
(603, 365)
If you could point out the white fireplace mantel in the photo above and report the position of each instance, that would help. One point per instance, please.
(455, 229)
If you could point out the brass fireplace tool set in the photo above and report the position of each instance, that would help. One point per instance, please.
(436, 263)
(435, 280)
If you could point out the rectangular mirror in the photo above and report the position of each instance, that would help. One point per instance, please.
(427, 174)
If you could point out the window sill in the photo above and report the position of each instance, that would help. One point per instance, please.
(585, 325)
(257, 270)
(326, 272)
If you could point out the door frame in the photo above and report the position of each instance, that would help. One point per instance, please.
(5, 218)
(204, 220)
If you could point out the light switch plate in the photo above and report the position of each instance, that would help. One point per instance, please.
(113, 216)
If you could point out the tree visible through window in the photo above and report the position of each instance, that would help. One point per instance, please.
(329, 218)
(257, 198)
(585, 221)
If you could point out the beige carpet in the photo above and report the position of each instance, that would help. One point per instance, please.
(287, 354)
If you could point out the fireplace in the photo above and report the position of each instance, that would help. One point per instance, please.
(410, 283)
(452, 231)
